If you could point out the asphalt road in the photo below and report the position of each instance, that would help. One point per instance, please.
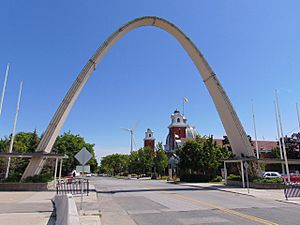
(146, 202)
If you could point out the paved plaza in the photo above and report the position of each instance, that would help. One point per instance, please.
(148, 202)
(157, 202)
(26, 208)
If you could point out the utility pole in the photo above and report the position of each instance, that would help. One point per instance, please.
(298, 115)
(282, 138)
(14, 128)
(279, 139)
(254, 125)
(4, 87)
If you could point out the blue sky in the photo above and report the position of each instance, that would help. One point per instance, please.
(253, 46)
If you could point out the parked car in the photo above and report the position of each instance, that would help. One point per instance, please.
(88, 175)
(271, 175)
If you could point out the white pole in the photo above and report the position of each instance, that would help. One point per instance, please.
(4, 87)
(282, 138)
(60, 168)
(254, 126)
(298, 114)
(278, 135)
(55, 171)
(14, 128)
(243, 175)
(225, 173)
(81, 198)
(131, 141)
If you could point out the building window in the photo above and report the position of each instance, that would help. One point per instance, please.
(149, 135)
(178, 120)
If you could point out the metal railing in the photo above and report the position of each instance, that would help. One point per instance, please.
(72, 186)
(292, 190)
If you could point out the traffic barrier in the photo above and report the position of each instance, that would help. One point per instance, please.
(66, 210)
(72, 186)
(292, 190)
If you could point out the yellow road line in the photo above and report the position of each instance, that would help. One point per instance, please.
(226, 210)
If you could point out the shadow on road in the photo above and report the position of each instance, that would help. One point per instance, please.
(155, 190)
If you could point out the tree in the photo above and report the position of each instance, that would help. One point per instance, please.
(161, 159)
(115, 164)
(70, 144)
(201, 156)
(141, 161)
(24, 142)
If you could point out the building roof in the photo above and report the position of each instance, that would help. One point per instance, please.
(262, 144)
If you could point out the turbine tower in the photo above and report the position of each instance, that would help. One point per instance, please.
(132, 140)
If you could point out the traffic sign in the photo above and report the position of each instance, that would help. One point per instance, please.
(83, 156)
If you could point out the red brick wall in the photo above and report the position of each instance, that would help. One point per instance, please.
(180, 131)
(149, 143)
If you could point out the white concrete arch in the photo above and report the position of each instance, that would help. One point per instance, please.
(232, 125)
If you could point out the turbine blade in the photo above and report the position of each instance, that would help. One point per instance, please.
(134, 141)
(136, 125)
(126, 129)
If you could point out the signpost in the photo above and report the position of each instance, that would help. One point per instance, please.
(246, 165)
(83, 156)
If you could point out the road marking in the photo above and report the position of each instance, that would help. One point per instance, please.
(226, 210)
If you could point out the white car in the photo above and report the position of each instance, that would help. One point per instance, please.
(271, 175)
(88, 175)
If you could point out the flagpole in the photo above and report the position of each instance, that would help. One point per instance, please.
(298, 114)
(282, 138)
(254, 126)
(278, 135)
(14, 128)
(4, 87)
(183, 106)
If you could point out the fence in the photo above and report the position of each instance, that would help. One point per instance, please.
(292, 190)
(72, 186)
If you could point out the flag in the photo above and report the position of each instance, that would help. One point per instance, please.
(185, 100)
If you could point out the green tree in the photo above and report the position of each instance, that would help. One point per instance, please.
(141, 161)
(24, 142)
(115, 164)
(135, 164)
(201, 156)
(70, 144)
(161, 159)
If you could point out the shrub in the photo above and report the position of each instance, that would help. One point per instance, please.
(217, 179)
(234, 177)
(267, 180)
(13, 177)
(194, 178)
(40, 178)
(163, 178)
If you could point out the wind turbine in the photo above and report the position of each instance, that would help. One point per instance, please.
(132, 140)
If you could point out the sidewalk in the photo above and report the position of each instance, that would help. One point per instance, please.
(26, 208)
(273, 194)
(89, 215)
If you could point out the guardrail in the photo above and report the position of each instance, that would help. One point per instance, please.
(292, 190)
(72, 186)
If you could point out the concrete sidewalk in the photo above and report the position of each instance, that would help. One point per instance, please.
(274, 194)
(35, 208)
(89, 215)
(26, 208)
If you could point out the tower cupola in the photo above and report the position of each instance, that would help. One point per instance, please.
(149, 140)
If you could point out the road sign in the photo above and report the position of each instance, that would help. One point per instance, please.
(83, 156)
(246, 165)
(83, 169)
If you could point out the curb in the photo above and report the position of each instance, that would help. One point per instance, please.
(66, 210)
